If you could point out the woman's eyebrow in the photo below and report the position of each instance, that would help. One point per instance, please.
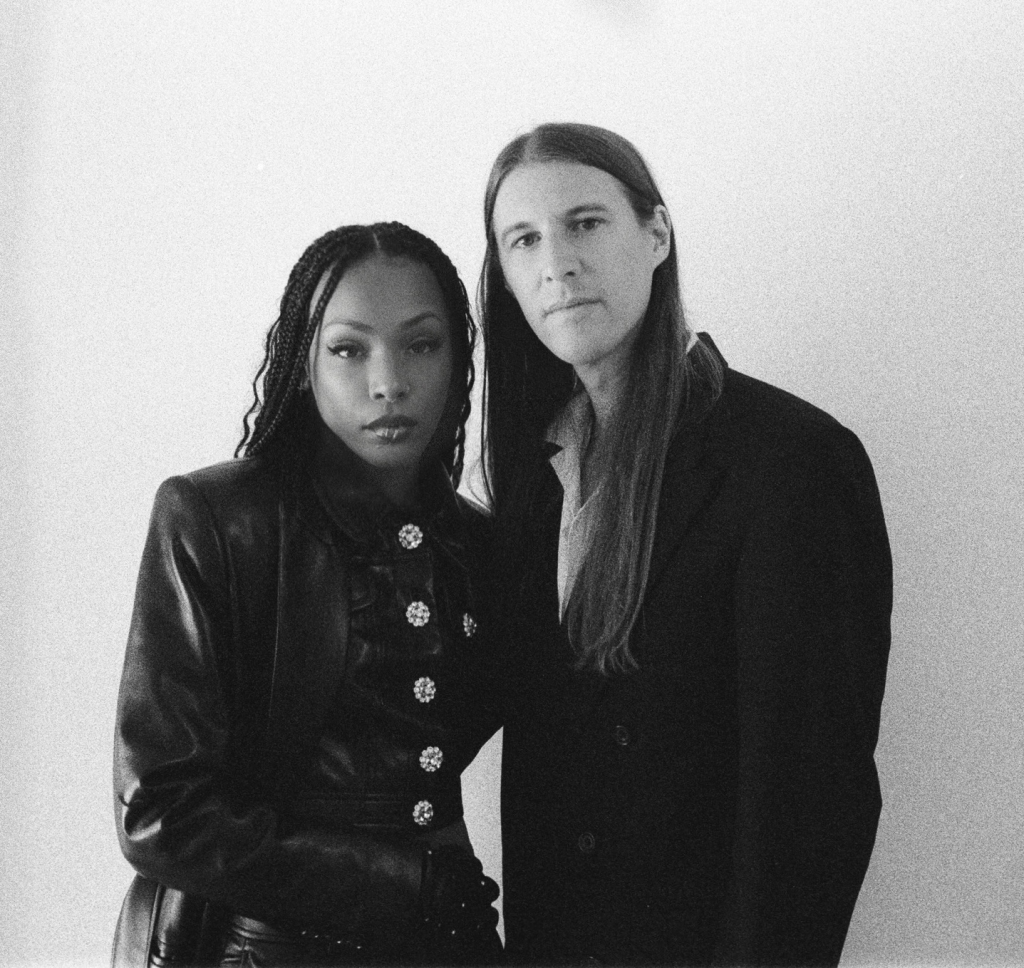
(369, 328)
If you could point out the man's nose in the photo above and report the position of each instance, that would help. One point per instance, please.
(560, 260)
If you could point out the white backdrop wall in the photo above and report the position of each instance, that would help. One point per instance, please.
(846, 184)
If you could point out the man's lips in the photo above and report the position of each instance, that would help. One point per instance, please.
(564, 304)
(390, 422)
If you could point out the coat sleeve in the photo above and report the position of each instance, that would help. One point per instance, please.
(813, 599)
(181, 817)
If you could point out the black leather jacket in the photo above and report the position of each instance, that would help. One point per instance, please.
(298, 698)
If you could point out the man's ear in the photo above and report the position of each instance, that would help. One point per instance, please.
(660, 227)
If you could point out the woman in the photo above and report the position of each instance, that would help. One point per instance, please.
(697, 589)
(296, 709)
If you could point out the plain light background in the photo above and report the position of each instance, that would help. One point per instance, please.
(845, 179)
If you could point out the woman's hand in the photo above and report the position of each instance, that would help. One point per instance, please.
(459, 919)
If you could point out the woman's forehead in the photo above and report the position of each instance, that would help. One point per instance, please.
(384, 289)
(379, 276)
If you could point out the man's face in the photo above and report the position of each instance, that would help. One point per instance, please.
(577, 258)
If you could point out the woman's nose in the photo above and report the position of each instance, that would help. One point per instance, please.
(388, 381)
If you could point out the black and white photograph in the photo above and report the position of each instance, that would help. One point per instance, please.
(512, 483)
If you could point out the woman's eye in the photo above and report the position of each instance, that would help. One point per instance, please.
(588, 224)
(347, 351)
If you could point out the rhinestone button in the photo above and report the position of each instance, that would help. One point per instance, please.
(469, 625)
(410, 537)
(417, 614)
(423, 812)
(424, 689)
(431, 759)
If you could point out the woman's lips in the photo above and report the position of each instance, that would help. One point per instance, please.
(391, 428)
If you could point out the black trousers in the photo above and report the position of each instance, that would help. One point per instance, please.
(255, 944)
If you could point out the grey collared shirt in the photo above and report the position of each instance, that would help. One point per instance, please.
(571, 431)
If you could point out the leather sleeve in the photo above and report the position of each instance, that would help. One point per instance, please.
(813, 600)
(180, 814)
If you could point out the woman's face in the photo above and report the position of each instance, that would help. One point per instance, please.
(380, 365)
(578, 259)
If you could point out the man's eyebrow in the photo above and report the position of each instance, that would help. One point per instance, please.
(580, 209)
(513, 228)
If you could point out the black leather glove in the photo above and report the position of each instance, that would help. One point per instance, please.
(456, 904)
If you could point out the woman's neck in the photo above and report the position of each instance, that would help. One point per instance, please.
(400, 487)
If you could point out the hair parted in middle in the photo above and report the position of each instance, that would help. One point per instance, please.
(525, 386)
(277, 412)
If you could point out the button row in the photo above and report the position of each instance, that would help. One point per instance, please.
(430, 760)
(425, 689)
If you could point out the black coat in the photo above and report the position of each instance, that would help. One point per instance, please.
(719, 805)
(272, 739)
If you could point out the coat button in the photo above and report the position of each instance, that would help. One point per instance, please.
(410, 537)
(431, 759)
(622, 735)
(469, 625)
(423, 812)
(586, 842)
(418, 614)
(424, 689)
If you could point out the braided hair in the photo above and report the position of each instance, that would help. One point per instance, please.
(276, 414)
